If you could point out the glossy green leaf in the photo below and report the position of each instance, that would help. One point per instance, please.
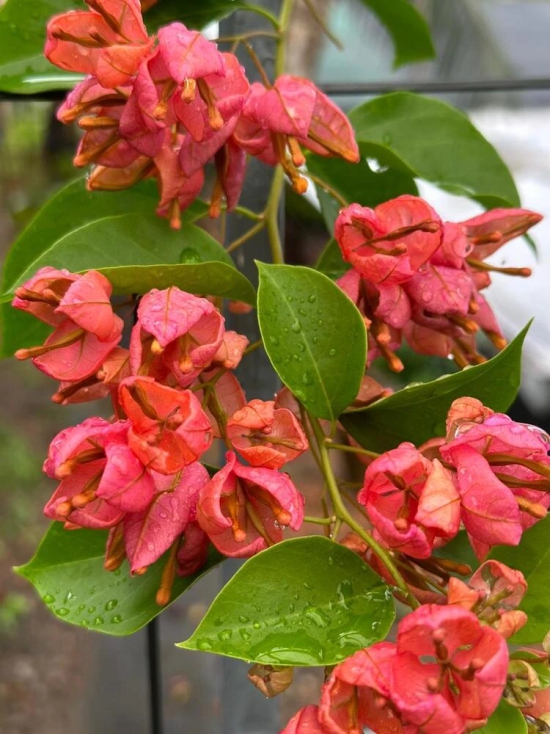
(314, 336)
(67, 571)
(408, 29)
(24, 69)
(506, 719)
(418, 413)
(306, 601)
(356, 183)
(531, 557)
(129, 246)
(431, 140)
(68, 210)
(193, 13)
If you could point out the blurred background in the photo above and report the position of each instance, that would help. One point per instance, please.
(57, 679)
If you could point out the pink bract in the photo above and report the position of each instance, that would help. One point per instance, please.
(169, 429)
(410, 501)
(243, 509)
(390, 243)
(265, 435)
(148, 534)
(109, 42)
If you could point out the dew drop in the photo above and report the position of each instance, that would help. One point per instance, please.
(68, 596)
(290, 299)
(84, 623)
(244, 634)
(320, 322)
(332, 352)
(117, 619)
(48, 599)
(225, 635)
(117, 572)
(62, 612)
(111, 604)
(98, 621)
(312, 298)
(307, 379)
(81, 608)
(243, 619)
(302, 312)
(296, 327)
(274, 340)
(91, 610)
(256, 625)
(204, 645)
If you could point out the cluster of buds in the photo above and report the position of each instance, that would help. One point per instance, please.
(417, 278)
(163, 106)
(139, 474)
(446, 672)
(490, 474)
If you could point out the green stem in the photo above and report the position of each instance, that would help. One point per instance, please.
(246, 237)
(264, 13)
(328, 188)
(272, 217)
(319, 520)
(323, 25)
(351, 449)
(284, 20)
(340, 510)
(244, 212)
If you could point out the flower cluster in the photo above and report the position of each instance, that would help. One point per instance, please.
(417, 278)
(445, 673)
(163, 106)
(490, 473)
(139, 474)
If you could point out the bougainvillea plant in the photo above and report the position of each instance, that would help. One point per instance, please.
(449, 525)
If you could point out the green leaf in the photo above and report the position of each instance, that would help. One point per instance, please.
(330, 261)
(506, 719)
(67, 571)
(314, 337)
(25, 70)
(356, 183)
(73, 207)
(192, 13)
(418, 413)
(409, 30)
(431, 140)
(138, 252)
(69, 209)
(305, 601)
(531, 557)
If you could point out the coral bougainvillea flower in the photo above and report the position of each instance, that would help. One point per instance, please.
(151, 532)
(109, 41)
(487, 232)
(275, 122)
(86, 329)
(390, 243)
(101, 477)
(244, 509)
(493, 593)
(410, 501)
(265, 435)
(503, 479)
(446, 672)
(306, 721)
(177, 334)
(169, 428)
